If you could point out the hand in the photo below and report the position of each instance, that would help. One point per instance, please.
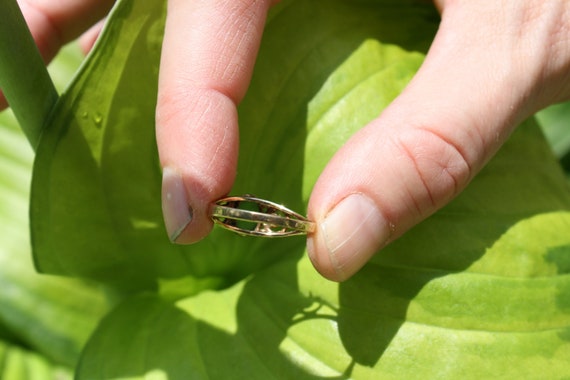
(491, 65)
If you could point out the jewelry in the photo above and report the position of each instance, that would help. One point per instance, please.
(251, 216)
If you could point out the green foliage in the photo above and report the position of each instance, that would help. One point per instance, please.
(23, 76)
(52, 316)
(16, 363)
(479, 290)
(554, 121)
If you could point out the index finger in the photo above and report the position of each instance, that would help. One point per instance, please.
(209, 50)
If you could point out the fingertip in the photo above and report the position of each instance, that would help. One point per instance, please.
(186, 213)
(320, 258)
(207, 57)
(198, 148)
(347, 237)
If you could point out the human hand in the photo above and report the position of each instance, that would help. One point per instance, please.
(491, 65)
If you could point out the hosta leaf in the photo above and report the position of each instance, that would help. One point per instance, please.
(96, 188)
(95, 195)
(67, 184)
(505, 315)
(386, 322)
(554, 121)
(479, 290)
(53, 316)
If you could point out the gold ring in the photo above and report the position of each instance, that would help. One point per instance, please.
(250, 216)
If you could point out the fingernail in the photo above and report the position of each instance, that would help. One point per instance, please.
(175, 208)
(353, 231)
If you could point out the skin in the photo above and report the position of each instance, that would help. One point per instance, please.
(492, 64)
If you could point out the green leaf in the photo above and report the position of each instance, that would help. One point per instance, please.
(73, 205)
(479, 290)
(554, 122)
(24, 79)
(16, 363)
(53, 316)
(388, 321)
(105, 121)
(505, 315)
(95, 193)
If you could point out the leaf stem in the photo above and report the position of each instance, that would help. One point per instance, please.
(24, 78)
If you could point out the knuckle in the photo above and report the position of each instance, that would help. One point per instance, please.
(439, 170)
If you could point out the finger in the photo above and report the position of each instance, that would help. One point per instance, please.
(54, 23)
(208, 55)
(477, 82)
(87, 39)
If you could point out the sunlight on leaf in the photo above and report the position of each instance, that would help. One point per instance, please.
(479, 290)
(291, 323)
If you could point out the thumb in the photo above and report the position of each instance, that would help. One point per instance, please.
(429, 143)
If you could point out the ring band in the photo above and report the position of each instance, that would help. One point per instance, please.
(251, 216)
